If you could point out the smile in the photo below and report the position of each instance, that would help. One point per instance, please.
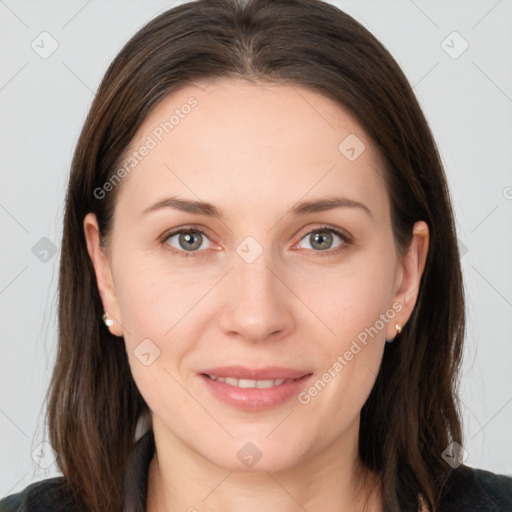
(248, 383)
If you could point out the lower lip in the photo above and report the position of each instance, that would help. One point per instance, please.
(255, 399)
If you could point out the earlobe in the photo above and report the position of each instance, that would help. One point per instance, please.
(412, 267)
(103, 273)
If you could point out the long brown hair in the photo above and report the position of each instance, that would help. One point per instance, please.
(412, 413)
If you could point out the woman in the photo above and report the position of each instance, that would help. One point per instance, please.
(260, 296)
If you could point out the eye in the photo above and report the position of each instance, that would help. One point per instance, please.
(321, 240)
(186, 240)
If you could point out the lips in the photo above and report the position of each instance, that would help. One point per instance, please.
(252, 389)
(241, 372)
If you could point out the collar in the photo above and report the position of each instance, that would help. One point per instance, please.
(136, 477)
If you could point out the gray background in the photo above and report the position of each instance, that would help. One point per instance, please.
(44, 101)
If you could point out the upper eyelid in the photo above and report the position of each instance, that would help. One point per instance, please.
(325, 227)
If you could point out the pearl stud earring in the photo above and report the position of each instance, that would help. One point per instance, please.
(108, 321)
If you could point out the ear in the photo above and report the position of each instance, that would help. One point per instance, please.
(102, 269)
(409, 276)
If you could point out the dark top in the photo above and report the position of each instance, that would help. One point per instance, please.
(468, 489)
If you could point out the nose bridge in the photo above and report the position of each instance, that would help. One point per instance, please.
(255, 277)
(258, 306)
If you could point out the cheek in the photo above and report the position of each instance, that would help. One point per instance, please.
(154, 297)
(162, 311)
(355, 304)
(350, 299)
(156, 308)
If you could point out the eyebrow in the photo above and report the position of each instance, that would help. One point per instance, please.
(302, 208)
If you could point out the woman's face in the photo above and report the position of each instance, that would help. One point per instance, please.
(263, 279)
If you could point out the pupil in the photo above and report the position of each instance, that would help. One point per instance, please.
(187, 240)
(318, 238)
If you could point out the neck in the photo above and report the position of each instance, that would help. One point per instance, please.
(334, 480)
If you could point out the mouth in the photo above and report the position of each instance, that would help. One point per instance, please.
(254, 389)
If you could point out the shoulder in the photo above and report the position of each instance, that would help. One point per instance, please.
(50, 495)
(54, 494)
(476, 489)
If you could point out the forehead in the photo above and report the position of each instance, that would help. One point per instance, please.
(251, 140)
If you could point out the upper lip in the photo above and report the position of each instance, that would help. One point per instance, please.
(241, 372)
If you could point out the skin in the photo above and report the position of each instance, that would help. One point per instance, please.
(254, 151)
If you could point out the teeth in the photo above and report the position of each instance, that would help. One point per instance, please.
(247, 383)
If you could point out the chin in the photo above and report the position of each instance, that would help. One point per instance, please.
(253, 456)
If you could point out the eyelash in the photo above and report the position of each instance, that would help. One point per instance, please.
(191, 229)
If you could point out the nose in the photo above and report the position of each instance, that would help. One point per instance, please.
(258, 305)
